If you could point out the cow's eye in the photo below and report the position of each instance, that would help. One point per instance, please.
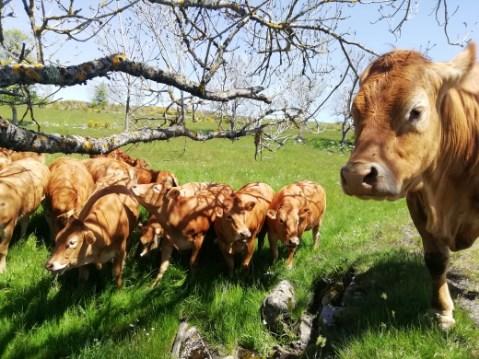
(72, 243)
(281, 220)
(229, 217)
(414, 115)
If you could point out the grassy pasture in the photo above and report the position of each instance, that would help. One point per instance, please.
(46, 317)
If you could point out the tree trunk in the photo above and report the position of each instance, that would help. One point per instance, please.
(14, 114)
(126, 125)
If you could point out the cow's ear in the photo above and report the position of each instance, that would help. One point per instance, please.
(271, 214)
(173, 193)
(304, 211)
(455, 71)
(250, 205)
(90, 237)
(219, 212)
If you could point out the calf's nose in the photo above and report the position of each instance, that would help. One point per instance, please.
(245, 234)
(49, 266)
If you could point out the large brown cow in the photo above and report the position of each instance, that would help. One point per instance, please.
(68, 189)
(185, 213)
(241, 221)
(295, 208)
(417, 131)
(22, 188)
(98, 235)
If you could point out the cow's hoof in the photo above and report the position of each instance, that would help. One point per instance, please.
(445, 321)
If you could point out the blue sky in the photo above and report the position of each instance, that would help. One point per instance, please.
(417, 33)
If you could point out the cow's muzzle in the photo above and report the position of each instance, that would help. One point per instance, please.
(55, 267)
(368, 180)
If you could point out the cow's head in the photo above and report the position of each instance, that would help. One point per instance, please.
(289, 223)
(233, 217)
(398, 127)
(150, 237)
(167, 179)
(74, 247)
(149, 195)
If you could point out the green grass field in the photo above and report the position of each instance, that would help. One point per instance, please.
(46, 317)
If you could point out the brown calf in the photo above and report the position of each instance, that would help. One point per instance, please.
(239, 223)
(296, 208)
(68, 189)
(22, 188)
(98, 235)
(185, 213)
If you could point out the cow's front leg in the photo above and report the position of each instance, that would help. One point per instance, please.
(249, 253)
(118, 265)
(436, 256)
(166, 251)
(437, 259)
(316, 237)
(5, 237)
(197, 244)
(227, 252)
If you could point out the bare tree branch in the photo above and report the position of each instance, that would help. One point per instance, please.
(20, 139)
(79, 74)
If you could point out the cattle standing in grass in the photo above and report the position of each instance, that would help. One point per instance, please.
(241, 221)
(417, 135)
(185, 213)
(22, 188)
(8, 156)
(68, 189)
(296, 208)
(98, 235)
(107, 171)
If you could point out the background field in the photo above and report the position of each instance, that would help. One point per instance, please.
(43, 316)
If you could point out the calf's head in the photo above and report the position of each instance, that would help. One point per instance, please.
(289, 223)
(73, 247)
(233, 218)
(150, 237)
(398, 127)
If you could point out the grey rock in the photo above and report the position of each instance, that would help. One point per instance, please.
(277, 306)
(189, 344)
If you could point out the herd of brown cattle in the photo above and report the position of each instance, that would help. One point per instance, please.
(92, 207)
(417, 136)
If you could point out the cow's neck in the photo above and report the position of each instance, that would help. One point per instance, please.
(450, 194)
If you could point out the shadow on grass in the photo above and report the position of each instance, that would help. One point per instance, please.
(59, 317)
(393, 293)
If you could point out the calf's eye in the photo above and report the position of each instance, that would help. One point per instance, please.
(414, 115)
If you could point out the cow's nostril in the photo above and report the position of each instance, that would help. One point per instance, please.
(371, 177)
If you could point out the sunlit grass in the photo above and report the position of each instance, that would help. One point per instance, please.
(46, 317)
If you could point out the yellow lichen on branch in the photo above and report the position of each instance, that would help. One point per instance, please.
(118, 59)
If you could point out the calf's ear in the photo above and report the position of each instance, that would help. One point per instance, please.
(271, 213)
(90, 237)
(173, 193)
(219, 212)
(455, 71)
